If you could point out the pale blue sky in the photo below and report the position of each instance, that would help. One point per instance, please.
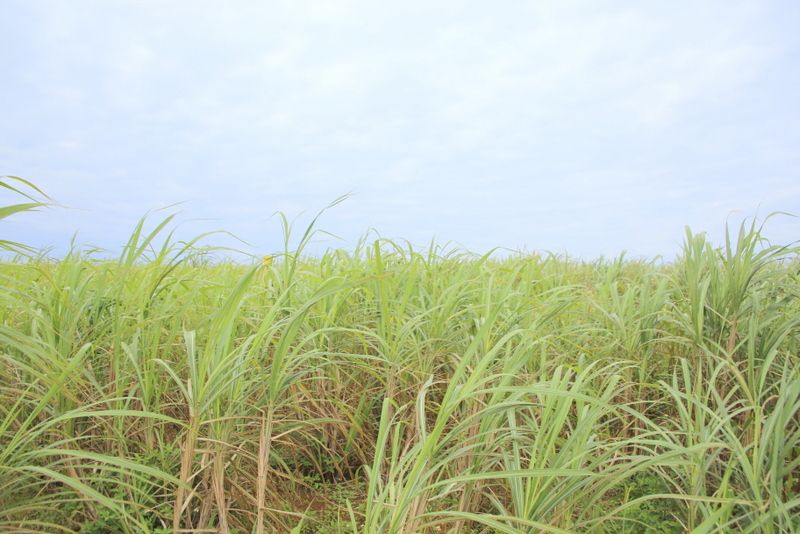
(587, 127)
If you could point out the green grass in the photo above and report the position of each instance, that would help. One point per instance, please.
(394, 390)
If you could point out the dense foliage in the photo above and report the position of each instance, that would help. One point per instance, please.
(393, 390)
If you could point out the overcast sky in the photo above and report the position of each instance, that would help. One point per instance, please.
(586, 127)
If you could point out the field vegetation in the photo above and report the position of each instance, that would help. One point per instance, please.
(394, 390)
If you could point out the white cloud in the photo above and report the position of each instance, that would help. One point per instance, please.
(493, 124)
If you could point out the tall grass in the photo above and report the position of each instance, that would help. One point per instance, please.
(396, 390)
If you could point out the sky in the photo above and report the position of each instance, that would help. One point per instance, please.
(580, 127)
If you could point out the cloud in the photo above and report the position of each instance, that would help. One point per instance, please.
(505, 124)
